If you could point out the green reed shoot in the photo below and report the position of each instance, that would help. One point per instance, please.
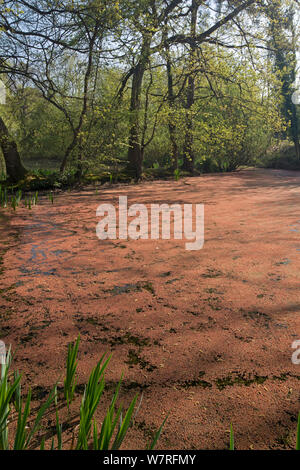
(18, 392)
(90, 401)
(177, 174)
(157, 435)
(19, 196)
(231, 445)
(10, 392)
(112, 422)
(13, 203)
(3, 197)
(6, 393)
(111, 434)
(298, 434)
(23, 436)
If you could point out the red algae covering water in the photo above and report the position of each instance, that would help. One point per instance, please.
(204, 336)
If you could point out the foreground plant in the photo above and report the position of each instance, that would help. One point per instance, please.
(232, 445)
(3, 197)
(10, 394)
(7, 391)
(23, 437)
(24, 434)
(10, 199)
(177, 174)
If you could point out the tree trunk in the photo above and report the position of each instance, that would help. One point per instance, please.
(14, 167)
(285, 62)
(84, 109)
(135, 154)
(188, 154)
(171, 101)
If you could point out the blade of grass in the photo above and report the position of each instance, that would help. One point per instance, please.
(124, 425)
(21, 434)
(157, 435)
(298, 434)
(70, 380)
(231, 447)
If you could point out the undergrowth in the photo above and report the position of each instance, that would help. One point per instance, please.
(19, 430)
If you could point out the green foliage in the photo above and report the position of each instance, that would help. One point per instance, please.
(152, 445)
(10, 392)
(280, 156)
(112, 421)
(10, 197)
(298, 434)
(177, 174)
(241, 95)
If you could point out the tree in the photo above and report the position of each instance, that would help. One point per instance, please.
(154, 21)
(40, 37)
(133, 81)
(14, 167)
(283, 40)
(188, 154)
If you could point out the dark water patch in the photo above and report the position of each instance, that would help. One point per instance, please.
(4, 331)
(112, 271)
(212, 274)
(130, 339)
(28, 338)
(284, 262)
(199, 382)
(39, 393)
(134, 359)
(240, 379)
(244, 339)
(259, 318)
(36, 252)
(60, 253)
(167, 274)
(37, 271)
(128, 288)
(171, 281)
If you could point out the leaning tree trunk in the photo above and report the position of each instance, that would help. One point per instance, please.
(84, 109)
(171, 102)
(135, 154)
(285, 62)
(14, 167)
(188, 154)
